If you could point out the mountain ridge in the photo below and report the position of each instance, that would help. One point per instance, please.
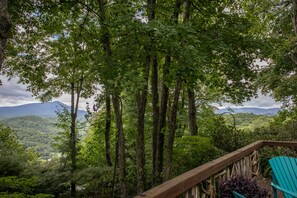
(44, 110)
(254, 110)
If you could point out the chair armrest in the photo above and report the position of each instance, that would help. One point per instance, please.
(237, 195)
(284, 190)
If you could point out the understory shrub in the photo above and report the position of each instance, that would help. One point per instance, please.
(247, 187)
(193, 151)
(267, 153)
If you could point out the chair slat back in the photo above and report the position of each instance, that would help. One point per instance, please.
(284, 170)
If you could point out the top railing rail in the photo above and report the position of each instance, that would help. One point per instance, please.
(186, 181)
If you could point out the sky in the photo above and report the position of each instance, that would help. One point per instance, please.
(13, 94)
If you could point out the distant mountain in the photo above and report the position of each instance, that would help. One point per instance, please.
(256, 111)
(45, 110)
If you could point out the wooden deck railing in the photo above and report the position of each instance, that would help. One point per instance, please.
(202, 181)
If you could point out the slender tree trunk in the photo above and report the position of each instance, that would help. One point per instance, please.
(173, 114)
(172, 127)
(164, 103)
(116, 105)
(191, 94)
(157, 143)
(5, 25)
(141, 100)
(121, 141)
(73, 143)
(192, 112)
(162, 120)
(73, 132)
(181, 126)
(107, 131)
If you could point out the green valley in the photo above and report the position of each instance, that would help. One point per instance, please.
(34, 132)
(248, 121)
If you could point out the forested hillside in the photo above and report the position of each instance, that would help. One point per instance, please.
(35, 132)
(248, 121)
(153, 69)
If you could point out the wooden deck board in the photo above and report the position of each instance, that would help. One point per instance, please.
(265, 182)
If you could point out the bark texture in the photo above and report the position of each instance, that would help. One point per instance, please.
(73, 143)
(172, 127)
(107, 130)
(121, 141)
(192, 112)
(75, 96)
(5, 25)
(141, 100)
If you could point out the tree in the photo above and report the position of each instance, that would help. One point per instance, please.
(5, 25)
(12, 155)
(55, 63)
(106, 42)
(279, 30)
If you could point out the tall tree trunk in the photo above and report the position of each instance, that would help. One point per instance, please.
(158, 165)
(116, 105)
(162, 121)
(5, 25)
(73, 143)
(172, 128)
(192, 112)
(141, 100)
(173, 114)
(107, 130)
(73, 133)
(157, 143)
(191, 94)
(121, 141)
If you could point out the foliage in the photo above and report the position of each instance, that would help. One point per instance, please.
(22, 185)
(193, 151)
(14, 162)
(242, 185)
(93, 145)
(22, 195)
(34, 132)
(282, 127)
(13, 156)
(277, 76)
(53, 176)
(97, 182)
(13, 186)
(225, 136)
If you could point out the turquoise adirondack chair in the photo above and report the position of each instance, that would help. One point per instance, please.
(284, 175)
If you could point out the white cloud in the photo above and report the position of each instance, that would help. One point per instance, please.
(12, 94)
(262, 101)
